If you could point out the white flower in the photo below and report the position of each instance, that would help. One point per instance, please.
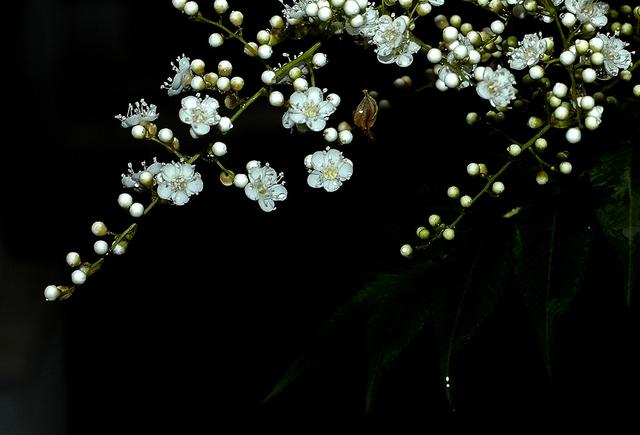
(393, 41)
(328, 169)
(131, 180)
(497, 86)
(529, 51)
(436, 2)
(182, 79)
(139, 113)
(177, 182)
(368, 29)
(200, 114)
(589, 11)
(614, 53)
(265, 186)
(308, 108)
(297, 11)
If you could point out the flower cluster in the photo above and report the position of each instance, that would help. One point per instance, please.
(559, 76)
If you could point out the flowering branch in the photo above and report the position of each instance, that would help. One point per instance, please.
(464, 58)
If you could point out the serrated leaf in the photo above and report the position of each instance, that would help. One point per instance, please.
(460, 310)
(351, 321)
(395, 322)
(616, 178)
(552, 248)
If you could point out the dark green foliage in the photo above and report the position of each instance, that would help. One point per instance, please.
(616, 181)
(552, 246)
(460, 309)
(389, 310)
(399, 315)
(542, 254)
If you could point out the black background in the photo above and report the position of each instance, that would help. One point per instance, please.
(191, 329)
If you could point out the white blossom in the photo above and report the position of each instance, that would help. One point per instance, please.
(200, 114)
(265, 186)
(368, 28)
(177, 182)
(139, 113)
(589, 11)
(296, 12)
(131, 180)
(436, 2)
(497, 86)
(328, 169)
(308, 108)
(614, 53)
(182, 78)
(529, 51)
(393, 41)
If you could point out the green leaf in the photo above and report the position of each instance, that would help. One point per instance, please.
(460, 310)
(552, 248)
(397, 319)
(366, 309)
(616, 178)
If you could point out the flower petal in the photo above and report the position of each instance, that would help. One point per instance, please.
(483, 90)
(128, 182)
(184, 64)
(180, 198)
(487, 73)
(386, 57)
(326, 108)
(315, 179)
(155, 168)
(287, 122)
(404, 60)
(170, 171)
(345, 170)
(318, 160)
(251, 191)
(200, 129)
(269, 176)
(333, 156)
(297, 99)
(278, 192)
(132, 121)
(190, 102)
(195, 186)
(185, 116)
(297, 117)
(316, 123)
(255, 174)
(267, 204)
(314, 96)
(187, 170)
(331, 185)
(400, 24)
(517, 62)
(165, 191)
(210, 104)
(176, 83)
